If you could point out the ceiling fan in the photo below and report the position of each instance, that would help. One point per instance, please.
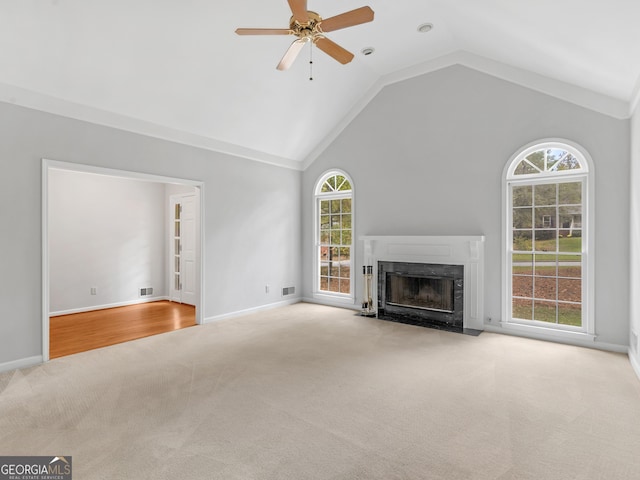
(308, 26)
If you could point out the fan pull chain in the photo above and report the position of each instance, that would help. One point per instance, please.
(311, 61)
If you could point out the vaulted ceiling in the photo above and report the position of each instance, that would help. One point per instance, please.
(177, 69)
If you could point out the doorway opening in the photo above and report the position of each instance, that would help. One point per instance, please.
(115, 252)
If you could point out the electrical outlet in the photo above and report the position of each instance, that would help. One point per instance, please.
(266, 289)
(94, 290)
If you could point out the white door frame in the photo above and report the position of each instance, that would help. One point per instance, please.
(48, 165)
(175, 199)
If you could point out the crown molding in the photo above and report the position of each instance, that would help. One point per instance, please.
(564, 91)
(46, 103)
(604, 104)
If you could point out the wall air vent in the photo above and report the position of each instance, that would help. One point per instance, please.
(146, 292)
(288, 291)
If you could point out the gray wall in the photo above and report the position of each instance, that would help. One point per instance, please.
(252, 216)
(427, 158)
(108, 233)
(634, 351)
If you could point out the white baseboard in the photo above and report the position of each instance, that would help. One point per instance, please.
(329, 303)
(21, 363)
(109, 305)
(588, 342)
(635, 363)
(239, 313)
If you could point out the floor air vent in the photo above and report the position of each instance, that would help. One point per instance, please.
(288, 291)
(146, 292)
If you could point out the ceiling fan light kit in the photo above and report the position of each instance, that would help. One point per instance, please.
(308, 26)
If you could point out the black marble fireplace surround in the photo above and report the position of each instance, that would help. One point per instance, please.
(423, 294)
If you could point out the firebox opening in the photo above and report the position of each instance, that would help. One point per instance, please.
(424, 294)
(427, 293)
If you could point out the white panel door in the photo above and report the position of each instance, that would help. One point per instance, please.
(183, 250)
(188, 255)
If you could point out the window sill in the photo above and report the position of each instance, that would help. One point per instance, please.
(331, 299)
(546, 333)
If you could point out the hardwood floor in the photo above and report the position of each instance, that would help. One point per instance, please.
(79, 332)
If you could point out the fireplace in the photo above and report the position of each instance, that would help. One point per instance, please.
(457, 257)
(424, 294)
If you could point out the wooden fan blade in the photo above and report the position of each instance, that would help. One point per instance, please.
(334, 50)
(299, 10)
(263, 31)
(291, 54)
(347, 19)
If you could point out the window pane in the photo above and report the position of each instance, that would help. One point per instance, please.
(570, 193)
(324, 206)
(569, 163)
(324, 283)
(572, 269)
(522, 309)
(570, 290)
(324, 237)
(346, 237)
(345, 285)
(544, 311)
(537, 159)
(554, 155)
(335, 206)
(525, 168)
(545, 265)
(522, 264)
(335, 221)
(545, 241)
(569, 314)
(343, 184)
(324, 269)
(346, 221)
(334, 284)
(523, 196)
(545, 195)
(545, 288)
(570, 244)
(522, 286)
(522, 218)
(335, 237)
(324, 222)
(346, 205)
(522, 241)
(546, 217)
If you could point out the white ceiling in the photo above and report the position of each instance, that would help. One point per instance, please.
(177, 69)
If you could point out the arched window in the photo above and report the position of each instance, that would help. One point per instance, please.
(334, 235)
(547, 234)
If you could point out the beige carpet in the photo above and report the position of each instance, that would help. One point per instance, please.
(311, 392)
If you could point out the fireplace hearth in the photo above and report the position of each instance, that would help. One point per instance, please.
(424, 294)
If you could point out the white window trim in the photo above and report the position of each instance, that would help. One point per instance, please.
(542, 330)
(321, 295)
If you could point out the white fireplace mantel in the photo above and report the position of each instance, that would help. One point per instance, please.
(447, 250)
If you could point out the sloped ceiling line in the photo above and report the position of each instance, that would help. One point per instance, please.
(571, 93)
